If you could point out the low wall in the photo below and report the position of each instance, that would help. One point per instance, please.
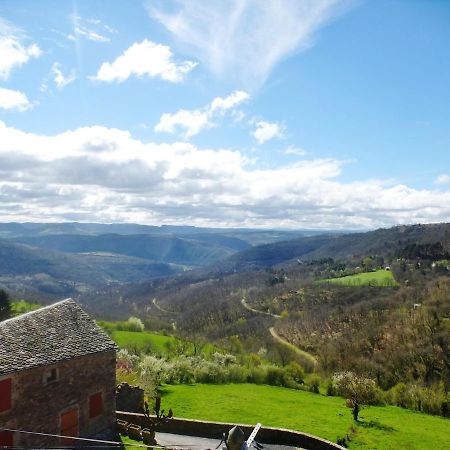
(215, 430)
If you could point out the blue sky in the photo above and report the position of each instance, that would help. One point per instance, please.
(274, 113)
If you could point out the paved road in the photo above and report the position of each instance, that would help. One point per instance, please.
(198, 443)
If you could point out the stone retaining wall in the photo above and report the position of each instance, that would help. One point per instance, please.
(215, 430)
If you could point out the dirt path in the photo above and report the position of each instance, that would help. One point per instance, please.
(297, 350)
(248, 307)
(161, 308)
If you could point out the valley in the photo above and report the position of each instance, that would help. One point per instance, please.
(221, 317)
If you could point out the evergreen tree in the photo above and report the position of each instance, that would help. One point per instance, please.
(5, 305)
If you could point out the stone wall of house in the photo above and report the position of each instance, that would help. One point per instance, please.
(37, 404)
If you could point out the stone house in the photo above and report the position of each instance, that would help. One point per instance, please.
(57, 376)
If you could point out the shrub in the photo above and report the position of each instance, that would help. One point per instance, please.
(331, 389)
(134, 324)
(314, 384)
(296, 372)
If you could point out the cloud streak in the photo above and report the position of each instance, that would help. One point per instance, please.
(104, 174)
(90, 29)
(245, 39)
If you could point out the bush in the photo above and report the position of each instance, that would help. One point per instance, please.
(296, 372)
(256, 375)
(134, 324)
(331, 389)
(314, 384)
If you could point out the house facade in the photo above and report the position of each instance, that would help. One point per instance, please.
(57, 376)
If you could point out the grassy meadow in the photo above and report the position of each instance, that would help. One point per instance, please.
(379, 277)
(21, 307)
(143, 341)
(380, 427)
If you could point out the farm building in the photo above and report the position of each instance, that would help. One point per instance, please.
(57, 376)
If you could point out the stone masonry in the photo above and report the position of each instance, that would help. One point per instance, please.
(56, 360)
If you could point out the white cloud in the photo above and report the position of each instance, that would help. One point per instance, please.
(59, 78)
(265, 131)
(104, 174)
(145, 58)
(229, 102)
(90, 29)
(11, 99)
(13, 51)
(196, 120)
(443, 179)
(245, 39)
(296, 151)
(192, 122)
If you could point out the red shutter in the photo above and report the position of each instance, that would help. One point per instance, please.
(95, 405)
(69, 426)
(5, 395)
(6, 439)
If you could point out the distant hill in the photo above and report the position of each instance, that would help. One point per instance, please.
(399, 241)
(13, 230)
(69, 259)
(24, 268)
(165, 249)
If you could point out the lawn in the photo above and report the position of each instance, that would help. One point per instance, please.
(142, 341)
(378, 278)
(387, 427)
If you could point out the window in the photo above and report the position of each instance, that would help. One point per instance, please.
(6, 439)
(95, 405)
(51, 375)
(5, 394)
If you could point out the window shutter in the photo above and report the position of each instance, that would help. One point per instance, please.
(6, 439)
(95, 405)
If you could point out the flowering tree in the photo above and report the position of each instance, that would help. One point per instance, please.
(356, 389)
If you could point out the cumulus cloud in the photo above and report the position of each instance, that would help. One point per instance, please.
(265, 131)
(443, 179)
(11, 99)
(191, 122)
(104, 174)
(245, 39)
(13, 50)
(145, 58)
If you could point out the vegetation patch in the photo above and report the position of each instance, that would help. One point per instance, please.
(143, 341)
(380, 427)
(22, 307)
(379, 277)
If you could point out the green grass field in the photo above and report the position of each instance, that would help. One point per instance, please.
(387, 427)
(21, 306)
(378, 278)
(142, 340)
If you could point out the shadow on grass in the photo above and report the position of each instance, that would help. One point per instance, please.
(376, 425)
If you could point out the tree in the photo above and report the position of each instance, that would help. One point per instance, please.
(356, 389)
(5, 305)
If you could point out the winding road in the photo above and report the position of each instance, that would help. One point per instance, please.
(311, 358)
(257, 311)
